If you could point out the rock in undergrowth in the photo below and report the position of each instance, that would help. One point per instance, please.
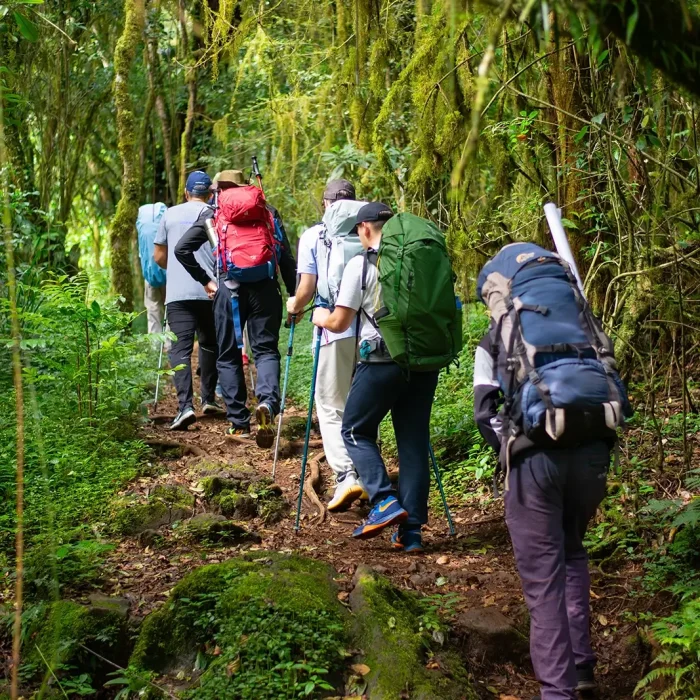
(386, 629)
(264, 626)
(70, 638)
(488, 634)
(165, 505)
(211, 527)
(243, 496)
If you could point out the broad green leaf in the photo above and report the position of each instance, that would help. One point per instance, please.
(632, 25)
(27, 28)
(29, 2)
(599, 118)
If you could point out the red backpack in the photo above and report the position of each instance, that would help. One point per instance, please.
(247, 249)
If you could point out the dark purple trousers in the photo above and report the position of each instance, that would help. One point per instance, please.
(552, 497)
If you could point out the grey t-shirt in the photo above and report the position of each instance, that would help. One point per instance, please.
(173, 226)
(352, 297)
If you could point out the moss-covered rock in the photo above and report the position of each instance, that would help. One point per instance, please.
(237, 505)
(293, 427)
(165, 505)
(386, 628)
(275, 619)
(66, 634)
(214, 528)
(243, 496)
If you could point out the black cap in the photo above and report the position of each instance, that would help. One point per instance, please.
(339, 189)
(374, 211)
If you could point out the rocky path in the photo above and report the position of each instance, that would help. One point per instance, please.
(470, 576)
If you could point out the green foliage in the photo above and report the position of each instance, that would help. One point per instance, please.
(677, 672)
(275, 620)
(84, 379)
(269, 652)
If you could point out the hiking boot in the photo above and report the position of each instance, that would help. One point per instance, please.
(209, 407)
(585, 677)
(385, 513)
(408, 539)
(241, 431)
(184, 419)
(347, 490)
(265, 416)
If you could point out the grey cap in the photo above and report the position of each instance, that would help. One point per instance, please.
(339, 189)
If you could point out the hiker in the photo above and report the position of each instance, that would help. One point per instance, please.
(188, 306)
(560, 403)
(338, 351)
(154, 277)
(246, 295)
(381, 385)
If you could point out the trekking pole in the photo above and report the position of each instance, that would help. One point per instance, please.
(284, 394)
(160, 360)
(248, 355)
(258, 174)
(305, 455)
(561, 242)
(436, 471)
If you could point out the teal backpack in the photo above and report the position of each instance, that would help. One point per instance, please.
(420, 319)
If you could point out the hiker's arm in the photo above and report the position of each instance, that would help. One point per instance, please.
(160, 255)
(338, 321)
(306, 289)
(189, 244)
(288, 265)
(160, 247)
(487, 396)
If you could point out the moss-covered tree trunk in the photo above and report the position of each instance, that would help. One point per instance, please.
(186, 139)
(124, 220)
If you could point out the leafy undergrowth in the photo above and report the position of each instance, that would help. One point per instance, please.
(84, 380)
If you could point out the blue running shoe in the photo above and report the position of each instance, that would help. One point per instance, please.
(408, 539)
(387, 512)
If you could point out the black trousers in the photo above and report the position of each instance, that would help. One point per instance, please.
(185, 318)
(260, 308)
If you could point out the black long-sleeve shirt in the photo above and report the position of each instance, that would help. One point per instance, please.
(196, 236)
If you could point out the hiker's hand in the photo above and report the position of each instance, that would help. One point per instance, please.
(293, 317)
(320, 316)
(292, 306)
(210, 288)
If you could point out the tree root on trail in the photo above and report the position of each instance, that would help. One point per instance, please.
(186, 448)
(197, 453)
(312, 487)
(246, 442)
(162, 420)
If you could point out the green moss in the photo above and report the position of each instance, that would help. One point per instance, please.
(173, 634)
(135, 518)
(59, 637)
(386, 627)
(166, 504)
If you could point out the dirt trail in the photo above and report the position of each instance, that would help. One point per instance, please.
(476, 564)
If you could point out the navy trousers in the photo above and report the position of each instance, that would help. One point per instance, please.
(377, 389)
(551, 499)
(260, 305)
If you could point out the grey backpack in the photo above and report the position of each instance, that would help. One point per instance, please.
(338, 243)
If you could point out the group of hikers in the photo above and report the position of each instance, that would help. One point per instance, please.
(380, 288)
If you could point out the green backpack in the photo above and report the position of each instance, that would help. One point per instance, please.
(421, 317)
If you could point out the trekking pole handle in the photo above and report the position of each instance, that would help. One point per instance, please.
(256, 168)
(257, 173)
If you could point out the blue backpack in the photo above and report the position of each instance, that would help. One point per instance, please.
(552, 359)
(147, 224)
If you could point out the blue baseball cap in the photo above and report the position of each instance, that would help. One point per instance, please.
(198, 183)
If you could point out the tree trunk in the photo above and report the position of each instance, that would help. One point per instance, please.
(186, 140)
(127, 210)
